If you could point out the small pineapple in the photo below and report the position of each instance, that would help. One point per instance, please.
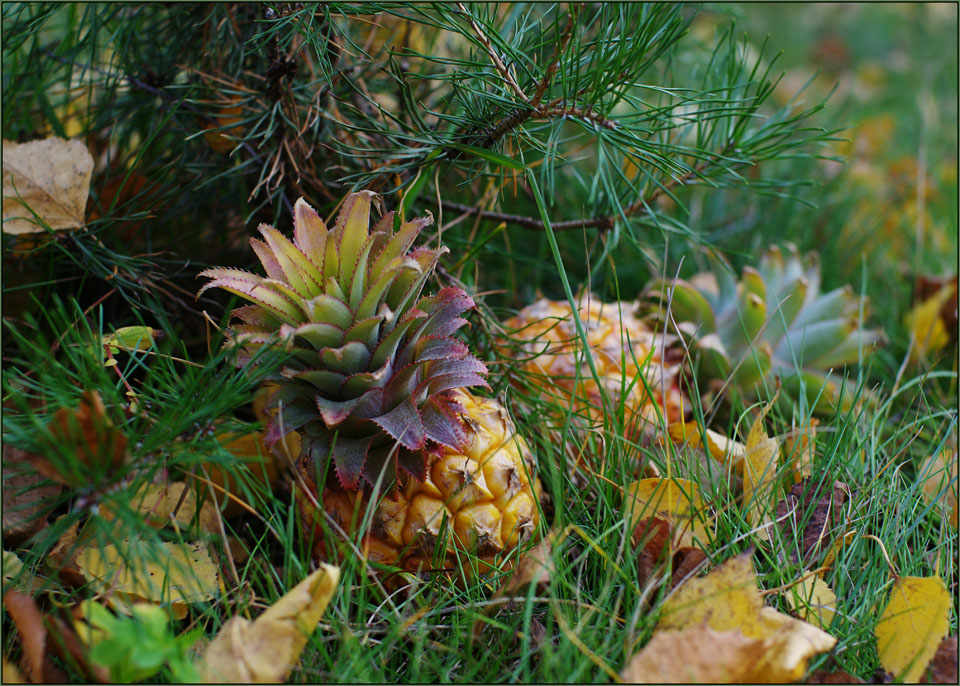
(625, 351)
(774, 321)
(373, 381)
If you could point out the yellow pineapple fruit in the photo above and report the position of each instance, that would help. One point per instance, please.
(372, 379)
(483, 496)
(627, 354)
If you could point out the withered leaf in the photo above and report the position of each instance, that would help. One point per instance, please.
(27, 618)
(822, 676)
(48, 178)
(25, 501)
(696, 655)
(265, 650)
(652, 537)
(943, 666)
(812, 514)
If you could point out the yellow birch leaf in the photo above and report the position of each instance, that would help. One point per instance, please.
(926, 326)
(677, 501)
(158, 503)
(759, 472)
(814, 601)
(939, 474)
(911, 627)
(722, 449)
(799, 448)
(166, 573)
(265, 650)
(728, 598)
(696, 655)
(49, 178)
(838, 544)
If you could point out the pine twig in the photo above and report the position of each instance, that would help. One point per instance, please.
(494, 57)
(603, 223)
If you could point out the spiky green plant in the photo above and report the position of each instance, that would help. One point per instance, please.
(773, 322)
(370, 365)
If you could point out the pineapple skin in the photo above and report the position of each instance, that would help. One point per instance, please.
(477, 504)
(551, 355)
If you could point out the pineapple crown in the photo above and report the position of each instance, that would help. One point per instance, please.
(369, 365)
(774, 320)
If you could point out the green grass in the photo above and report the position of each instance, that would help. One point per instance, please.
(594, 611)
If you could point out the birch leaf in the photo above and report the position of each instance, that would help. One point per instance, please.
(265, 650)
(728, 598)
(759, 472)
(814, 601)
(678, 502)
(49, 178)
(178, 574)
(939, 475)
(912, 626)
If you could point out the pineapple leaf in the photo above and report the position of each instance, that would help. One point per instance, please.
(309, 231)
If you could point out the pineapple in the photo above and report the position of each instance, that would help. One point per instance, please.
(372, 380)
(773, 322)
(625, 351)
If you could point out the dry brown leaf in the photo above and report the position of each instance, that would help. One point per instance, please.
(685, 562)
(49, 178)
(822, 676)
(911, 627)
(943, 666)
(99, 447)
(24, 500)
(817, 508)
(676, 501)
(696, 655)
(535, 567)
(178, 574)
(652, 538)
(26, 617)
(265, 650)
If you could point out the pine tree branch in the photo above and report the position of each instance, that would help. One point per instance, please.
(603, 223)
(494, 57)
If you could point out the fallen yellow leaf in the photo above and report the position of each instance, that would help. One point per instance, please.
(722, 449)
(678, 502)
(728, 598)
(799, 449)
(911, 627)
(926, 325)
(168, 572)
(814, 601)
(160, 501)
(696, 655)
(759, 472)
(265, 650)
(939, 475)
(838, 544)
(48, 178)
